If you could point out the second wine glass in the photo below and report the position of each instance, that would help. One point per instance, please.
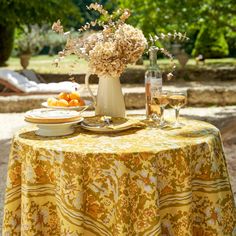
(177, 100)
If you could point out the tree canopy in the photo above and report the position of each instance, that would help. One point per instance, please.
(151, 16)
(36, 11)
(86, 15)
(183, 15)
(17, 12)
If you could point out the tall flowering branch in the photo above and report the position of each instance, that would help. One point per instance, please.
(165, 52)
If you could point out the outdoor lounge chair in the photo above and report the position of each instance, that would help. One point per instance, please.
(14, 83)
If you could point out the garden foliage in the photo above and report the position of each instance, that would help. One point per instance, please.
(15, 13)
(211, 43)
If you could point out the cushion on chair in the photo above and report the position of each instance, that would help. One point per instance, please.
(27, 86)
(64, 86)
(31, 75)
(15, 79)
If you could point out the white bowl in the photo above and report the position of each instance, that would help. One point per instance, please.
(61, 129)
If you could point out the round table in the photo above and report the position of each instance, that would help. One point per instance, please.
(146, 181)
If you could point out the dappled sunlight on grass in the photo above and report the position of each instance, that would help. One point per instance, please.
(44, 64)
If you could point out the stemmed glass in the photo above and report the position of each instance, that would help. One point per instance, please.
(160, 98)
(177, 100)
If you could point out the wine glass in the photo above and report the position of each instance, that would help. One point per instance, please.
(160, 98)
(177, 100)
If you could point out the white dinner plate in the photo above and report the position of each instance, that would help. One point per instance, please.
(51, 116)
(76, 108)
(52, 130)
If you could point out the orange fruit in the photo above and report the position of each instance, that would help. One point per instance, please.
(52, 101)
(74, 95)
(62, 103)
(64, 96)
(74, 103)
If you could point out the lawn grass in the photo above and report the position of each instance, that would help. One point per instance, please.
(44, 64)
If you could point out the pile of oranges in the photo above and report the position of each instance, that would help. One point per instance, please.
(66, 100)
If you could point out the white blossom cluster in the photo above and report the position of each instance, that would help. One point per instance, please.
(111, 55)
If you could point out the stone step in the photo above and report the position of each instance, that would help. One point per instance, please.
(199, 94)
(136, 74)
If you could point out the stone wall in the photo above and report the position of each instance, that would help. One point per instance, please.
(136, 75)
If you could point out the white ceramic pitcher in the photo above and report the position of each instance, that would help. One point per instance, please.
(110, 100)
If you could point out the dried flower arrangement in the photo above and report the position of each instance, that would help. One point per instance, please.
(108, 52)
(118, 44)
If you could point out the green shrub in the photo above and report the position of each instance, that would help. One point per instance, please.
(210, 43)
(6, 42)
(232, 43)
(30, 39)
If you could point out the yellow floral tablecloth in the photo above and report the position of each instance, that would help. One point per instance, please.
(138, 182)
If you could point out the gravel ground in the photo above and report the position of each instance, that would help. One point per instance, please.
(223, 117)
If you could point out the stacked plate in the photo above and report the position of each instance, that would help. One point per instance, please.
(53, 122)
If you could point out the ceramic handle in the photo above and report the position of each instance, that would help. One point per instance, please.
(89, 89)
